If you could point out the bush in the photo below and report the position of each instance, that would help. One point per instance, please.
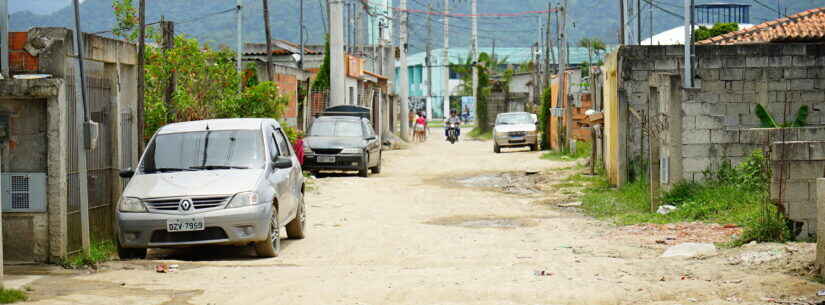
(583, 150)
(8, 296)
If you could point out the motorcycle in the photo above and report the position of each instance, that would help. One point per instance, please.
(452, 133)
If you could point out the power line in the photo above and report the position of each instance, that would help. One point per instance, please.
(664, 9)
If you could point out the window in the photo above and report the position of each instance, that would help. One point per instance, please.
(272, 144)
(454, 74)
(204, 150)
(368, 132)
(283, 143)
(336, 128)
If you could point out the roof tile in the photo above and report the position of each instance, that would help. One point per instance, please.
(805, 26)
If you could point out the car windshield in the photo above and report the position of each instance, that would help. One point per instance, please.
(336, 128)
(204, 150)
(514, 118)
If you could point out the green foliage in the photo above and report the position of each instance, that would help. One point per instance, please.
(737, 195)
(99, 251)
(544, 117)
(478, 133)
(767, 120)
(487, 66)
(704, 32)
(583, 150)
(8, 296)
(322, 80)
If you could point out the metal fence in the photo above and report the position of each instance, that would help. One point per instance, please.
(100, 165)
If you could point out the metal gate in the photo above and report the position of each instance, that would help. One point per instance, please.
(99, 164)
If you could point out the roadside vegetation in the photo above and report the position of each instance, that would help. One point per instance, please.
(583, 150)
(99, 251)
(731, 195)
(8, 296)
(477, 133)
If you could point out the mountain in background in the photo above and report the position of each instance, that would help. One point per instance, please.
(200, 19)
(37, 6)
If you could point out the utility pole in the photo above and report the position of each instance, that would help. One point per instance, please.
(688, 75)
(621, 23)
(547, 47)
(336, 41)
(540, 67)
(639, 22)
(268, 41)
(474, 54)
(168, 29)
(446, 61)
(141, 71)
(4, 44)
(567, 120)
(403, 82)
(428, 60)
(301, 32)
(82, 122)
(324, 17)
(239, 34)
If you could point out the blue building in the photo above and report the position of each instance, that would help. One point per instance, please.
(434, 105)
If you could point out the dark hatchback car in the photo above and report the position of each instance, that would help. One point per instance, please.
(342, 143)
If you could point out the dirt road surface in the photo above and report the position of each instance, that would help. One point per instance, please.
(413, 235)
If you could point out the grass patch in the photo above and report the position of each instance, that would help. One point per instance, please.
(99, 251)
(732, 195)
(8, 296)
(583, 150)
(476, 133)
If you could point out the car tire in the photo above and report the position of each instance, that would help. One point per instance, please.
(534, 147)
(295, 229)
(364, 170)
(496, 148)
(272, 245)
(377, 169)
(130, 253)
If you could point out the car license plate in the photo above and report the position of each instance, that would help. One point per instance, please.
(185, 224)
(326, 159)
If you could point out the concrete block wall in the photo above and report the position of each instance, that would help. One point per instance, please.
(718, 116)
(796, 166)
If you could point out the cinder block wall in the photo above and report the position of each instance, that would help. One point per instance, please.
(717, 117)
(795, 166)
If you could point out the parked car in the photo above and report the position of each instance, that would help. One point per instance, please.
(342, 142)
(515, 129)
(213, 182)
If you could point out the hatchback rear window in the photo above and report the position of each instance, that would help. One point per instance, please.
(336, 128)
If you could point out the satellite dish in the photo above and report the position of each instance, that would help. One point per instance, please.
(296, 57)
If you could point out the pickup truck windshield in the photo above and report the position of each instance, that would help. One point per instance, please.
(336, 128)
(204, 150)
(514, 119)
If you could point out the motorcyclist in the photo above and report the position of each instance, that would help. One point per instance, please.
(454, 119)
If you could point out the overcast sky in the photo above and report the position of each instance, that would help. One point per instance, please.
(38, 6)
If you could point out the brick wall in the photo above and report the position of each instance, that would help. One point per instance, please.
(795, 166)
(717, 117)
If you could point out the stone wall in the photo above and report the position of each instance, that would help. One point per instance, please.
(795, 166)
(717, 117)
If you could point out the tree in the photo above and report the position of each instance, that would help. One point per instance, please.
(704, 32)
(593, 45)
(487, 67)
(322, 80)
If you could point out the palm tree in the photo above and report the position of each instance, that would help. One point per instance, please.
(593, 45)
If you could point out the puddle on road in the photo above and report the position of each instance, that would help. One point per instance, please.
(477, 222)
(519, 183)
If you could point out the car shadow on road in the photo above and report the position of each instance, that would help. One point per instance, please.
(212, 253)
(514, 150)
(336, 175)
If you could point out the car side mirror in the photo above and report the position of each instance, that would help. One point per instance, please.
(127, 173)
(370, 138)
(282, 162)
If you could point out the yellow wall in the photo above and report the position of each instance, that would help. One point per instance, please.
(611, 116)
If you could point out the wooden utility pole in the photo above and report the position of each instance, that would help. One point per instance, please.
(141, 74)
(4, 42)
(81, 123)
(474, 54)
(547, 48)
(168, 29)
(301, 32)
(428, 61)
(565, 121)
(239, 42)
(268, 41)
(446, 61)
(621, 22)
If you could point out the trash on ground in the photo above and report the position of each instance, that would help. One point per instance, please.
(164, 268)
(690, 250)
(542, 273)
(666, 209)
(570, 204)
(821, 293)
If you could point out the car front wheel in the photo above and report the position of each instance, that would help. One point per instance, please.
(272, 245)
(295, 229)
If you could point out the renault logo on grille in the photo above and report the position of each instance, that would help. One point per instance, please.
(185, 204)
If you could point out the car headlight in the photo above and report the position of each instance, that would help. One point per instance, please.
(351, 151)
(243, 199)
(500, 134)
(131, 205)
(307, 149)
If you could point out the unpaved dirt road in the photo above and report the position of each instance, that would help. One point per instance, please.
(411, 235)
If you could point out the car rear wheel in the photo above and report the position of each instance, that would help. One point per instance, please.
(130, 253)
(377, 169)
(534, 147)
(295, 228)
(272, 245)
